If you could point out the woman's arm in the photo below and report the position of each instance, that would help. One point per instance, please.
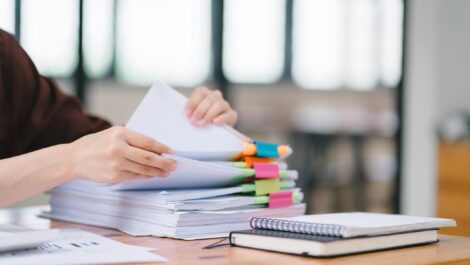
(110, 156)
(34, 112)
(24, 176)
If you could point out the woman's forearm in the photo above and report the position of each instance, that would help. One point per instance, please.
(33, 173)
(113, 155)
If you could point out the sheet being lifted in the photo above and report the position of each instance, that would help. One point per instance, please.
(160, 115)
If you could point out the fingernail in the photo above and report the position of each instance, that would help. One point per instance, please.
(170, 151)
(202, 123)
(193, 120)
(165, 174)
(173, 167)
(187, 112)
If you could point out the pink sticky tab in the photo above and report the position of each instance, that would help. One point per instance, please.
(280, 199)
(266, 170)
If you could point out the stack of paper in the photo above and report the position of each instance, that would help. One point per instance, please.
(222, 179)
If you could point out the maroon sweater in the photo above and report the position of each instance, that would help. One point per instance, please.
(34, 112)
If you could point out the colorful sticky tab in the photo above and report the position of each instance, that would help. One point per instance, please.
(249, 160)
(280, 199)
(249, 149)
(264, 149)
(266, 171)
(266, 186)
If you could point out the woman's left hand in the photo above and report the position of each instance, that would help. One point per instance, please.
(205, 106)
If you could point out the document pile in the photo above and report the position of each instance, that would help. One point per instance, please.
(222, 179)
(69, 247)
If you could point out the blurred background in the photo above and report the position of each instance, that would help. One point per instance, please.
(371, 94)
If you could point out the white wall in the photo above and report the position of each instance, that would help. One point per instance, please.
(454, 57)
(438, 56)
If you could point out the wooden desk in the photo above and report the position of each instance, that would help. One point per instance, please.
(453, 185)
(450, 250)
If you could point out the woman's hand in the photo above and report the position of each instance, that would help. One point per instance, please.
(118, 154)
(205, 106)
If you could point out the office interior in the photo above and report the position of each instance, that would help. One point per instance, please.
(371, 94)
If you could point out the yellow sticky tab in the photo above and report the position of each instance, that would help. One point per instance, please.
(265, 186)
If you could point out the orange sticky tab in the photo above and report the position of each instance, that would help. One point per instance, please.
(280, 199)
(249, 160)
(282, 149)
(249, 149)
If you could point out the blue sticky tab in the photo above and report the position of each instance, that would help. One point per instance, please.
(264, 149)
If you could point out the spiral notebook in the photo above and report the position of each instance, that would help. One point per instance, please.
(348, 225)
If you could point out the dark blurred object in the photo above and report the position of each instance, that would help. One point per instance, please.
(455, 126)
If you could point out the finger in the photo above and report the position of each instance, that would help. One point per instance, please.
(217, 109)
(143, 170)
(122, 175)
(150, 159)
(229, 118)
(200, 111)
(196, 97)
(128, 175)
(139, 140)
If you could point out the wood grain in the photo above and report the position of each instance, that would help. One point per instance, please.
(454, 186)
(450, 249)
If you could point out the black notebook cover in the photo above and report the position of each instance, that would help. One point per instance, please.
(322, 239)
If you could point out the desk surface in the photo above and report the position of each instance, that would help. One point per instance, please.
(450, 249)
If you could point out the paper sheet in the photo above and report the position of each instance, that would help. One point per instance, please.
(188, 174)
(160, 115)
(80, 247)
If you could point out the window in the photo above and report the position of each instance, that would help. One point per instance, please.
(254, 40)
(163, 39)
(347, 43)
(98, 36)
(50, 38)
(352, 44)
(391, 40)
(318, 36)
(7, 15)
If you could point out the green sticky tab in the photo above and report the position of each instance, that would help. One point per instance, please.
(265, 186)
(247, 172)
(261, 199)
(239, 164)
(285, 185)
(295, 197)
(283, 173)
(248, 187)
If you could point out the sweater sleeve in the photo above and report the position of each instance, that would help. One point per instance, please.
(34, 112)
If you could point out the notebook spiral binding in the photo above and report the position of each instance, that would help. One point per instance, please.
(297, 227)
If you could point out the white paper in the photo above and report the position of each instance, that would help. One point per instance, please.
(360, 223)
(18, 238)
(183, 225)
(161, 116)
(188, 174)
(80, 247)
(95, 191)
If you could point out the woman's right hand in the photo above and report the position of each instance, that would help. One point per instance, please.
(118, 154)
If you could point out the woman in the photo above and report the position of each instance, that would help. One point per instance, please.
(46, 139)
